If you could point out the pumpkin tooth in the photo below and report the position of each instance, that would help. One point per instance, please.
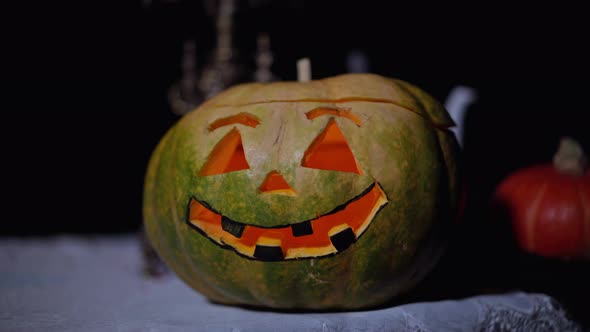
(268, 241)
(310, 252)
(337, 229)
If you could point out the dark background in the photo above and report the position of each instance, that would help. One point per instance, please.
(87, 87)
(87, 102)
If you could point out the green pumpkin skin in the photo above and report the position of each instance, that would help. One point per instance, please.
(403, 143)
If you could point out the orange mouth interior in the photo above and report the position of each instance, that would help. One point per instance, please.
(324, 235)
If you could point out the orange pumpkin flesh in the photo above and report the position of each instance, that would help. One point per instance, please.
(241, 118)
(333, 111)
(330, 151)
(276, 184)
(227, 156)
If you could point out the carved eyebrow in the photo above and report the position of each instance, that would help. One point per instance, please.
(244, 118)
(342, 112)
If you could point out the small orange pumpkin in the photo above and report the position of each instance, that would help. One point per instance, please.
(549, 205)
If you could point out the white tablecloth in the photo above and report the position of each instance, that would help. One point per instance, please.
(96, 284)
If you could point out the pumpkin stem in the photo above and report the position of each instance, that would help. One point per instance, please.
(570, 158)
(303, 70)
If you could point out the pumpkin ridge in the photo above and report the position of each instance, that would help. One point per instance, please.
(532, 240)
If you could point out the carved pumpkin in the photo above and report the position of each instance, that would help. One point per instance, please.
(549, 205)
(336, 193)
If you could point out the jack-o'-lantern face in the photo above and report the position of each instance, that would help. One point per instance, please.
(331, 230)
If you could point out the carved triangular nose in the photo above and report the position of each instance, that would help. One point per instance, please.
(274, 183)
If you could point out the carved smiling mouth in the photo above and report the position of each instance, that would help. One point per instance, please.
(327, 234)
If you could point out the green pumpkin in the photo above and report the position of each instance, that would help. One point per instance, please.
(330, 194)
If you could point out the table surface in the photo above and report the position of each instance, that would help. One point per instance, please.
(72, 283)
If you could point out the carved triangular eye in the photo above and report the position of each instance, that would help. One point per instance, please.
(227, 156)
(330, 151)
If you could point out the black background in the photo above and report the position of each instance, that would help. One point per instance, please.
(87, 100)
(87, 87)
